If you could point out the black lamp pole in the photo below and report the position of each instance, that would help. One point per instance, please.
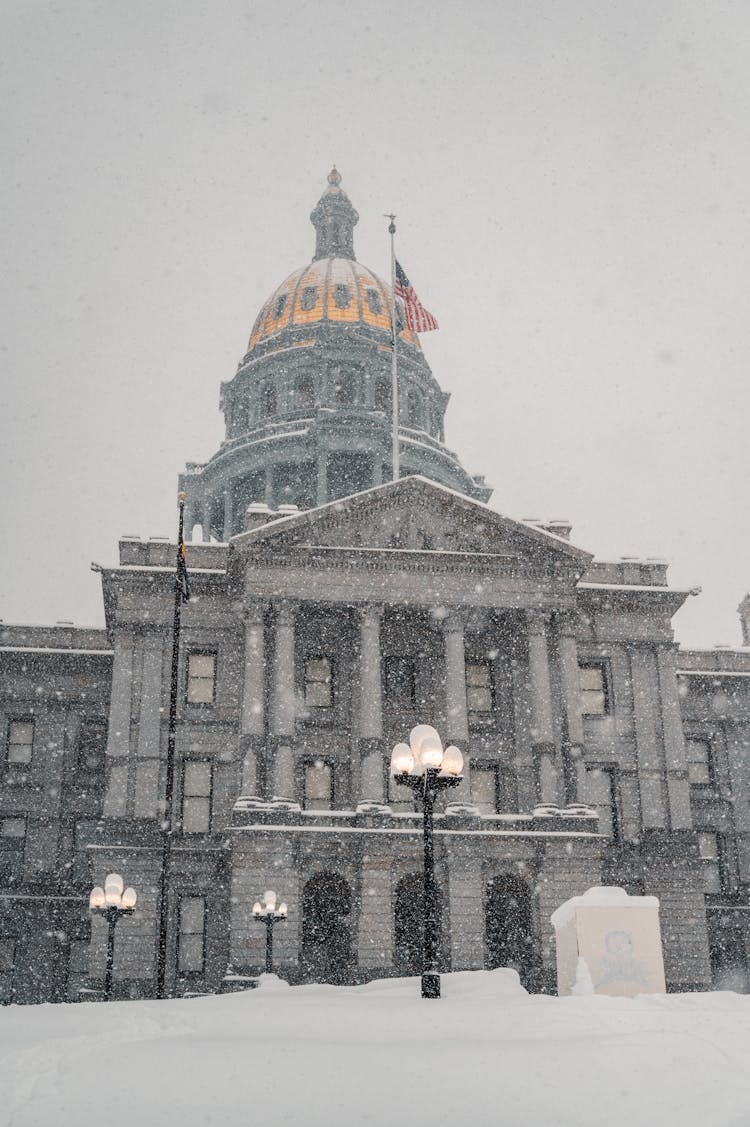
(111, 914)
(270, 917)
(427, 787)
(167, 823)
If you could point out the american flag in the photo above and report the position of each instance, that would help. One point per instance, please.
(417, 317)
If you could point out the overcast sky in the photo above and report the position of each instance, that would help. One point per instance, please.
(570, 180)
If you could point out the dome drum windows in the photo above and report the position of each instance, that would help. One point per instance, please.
(308, 298)
(280, 305)
(267, 400)
(304, 391)
(374, 301)
(342, 295)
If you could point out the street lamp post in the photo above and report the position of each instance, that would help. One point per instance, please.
(423, 765)
(112, 902)
(270, 915)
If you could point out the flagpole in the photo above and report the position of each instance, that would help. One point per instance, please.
(394, 358)
(167, 826)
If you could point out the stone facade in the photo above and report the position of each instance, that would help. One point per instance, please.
(596, 750)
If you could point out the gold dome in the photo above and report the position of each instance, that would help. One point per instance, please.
(335, 290)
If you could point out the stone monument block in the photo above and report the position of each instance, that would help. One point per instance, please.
(609, 943)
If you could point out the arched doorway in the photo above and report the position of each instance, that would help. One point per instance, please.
(326, 929)
(509, 933)
(408, 910)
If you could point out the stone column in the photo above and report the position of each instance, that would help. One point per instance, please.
(283, 711)
(253, 708)
(227, 529)
(372, 787)
(148, 750)
(542, 729)
(456, 712)
(567, 648)
(322, 494)
(649, 747)
(675, 759)
(118, 738)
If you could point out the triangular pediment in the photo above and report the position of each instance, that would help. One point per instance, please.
(413, 515)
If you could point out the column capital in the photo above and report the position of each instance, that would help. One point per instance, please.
(285, 611)
(370, 614)
(454, 621)
(253, 611)
(567, 623)
(537, 621)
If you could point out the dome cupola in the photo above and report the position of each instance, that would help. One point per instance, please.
(308, 413)
(334, 220)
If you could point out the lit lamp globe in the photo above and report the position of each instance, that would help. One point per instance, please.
(270, 900)
(453, 761)
(113, 887)
(256, 908)
(96, 897)
(283, 909)
(402, 760)
(129, 898)
(426, 746)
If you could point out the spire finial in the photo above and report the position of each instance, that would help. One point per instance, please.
(334, 219)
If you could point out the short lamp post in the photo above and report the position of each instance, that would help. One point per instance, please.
(423, 765)
(270, 914)
(112, 902)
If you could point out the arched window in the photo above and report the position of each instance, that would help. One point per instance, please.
(383, 395)
(326, 928)
(346, 389)
(414, 409)
(304, 390)
(509, 934)
(268, 400)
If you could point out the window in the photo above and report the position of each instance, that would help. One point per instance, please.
(196, 797)
(374, 302)
(484, 789)
(479, 686)
(342, 296)
(201, 678)
(593, 681)
(20, 741)
(382, 396)
(92, 743)
(414, 409)
(346, 390)
(191, 944)
(318, 682)
(400, 680)
(318, 785)
(305, 390)
(309, 298)
(280, 305)
(7, 964)
(699, 762)
(268, 400)
(710, 850)
(13, 828)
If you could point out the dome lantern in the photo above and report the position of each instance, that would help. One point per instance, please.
(334, 220)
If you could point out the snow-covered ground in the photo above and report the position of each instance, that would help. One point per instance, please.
(380, 1056)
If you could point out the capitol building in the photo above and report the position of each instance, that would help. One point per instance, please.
(332, 609)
